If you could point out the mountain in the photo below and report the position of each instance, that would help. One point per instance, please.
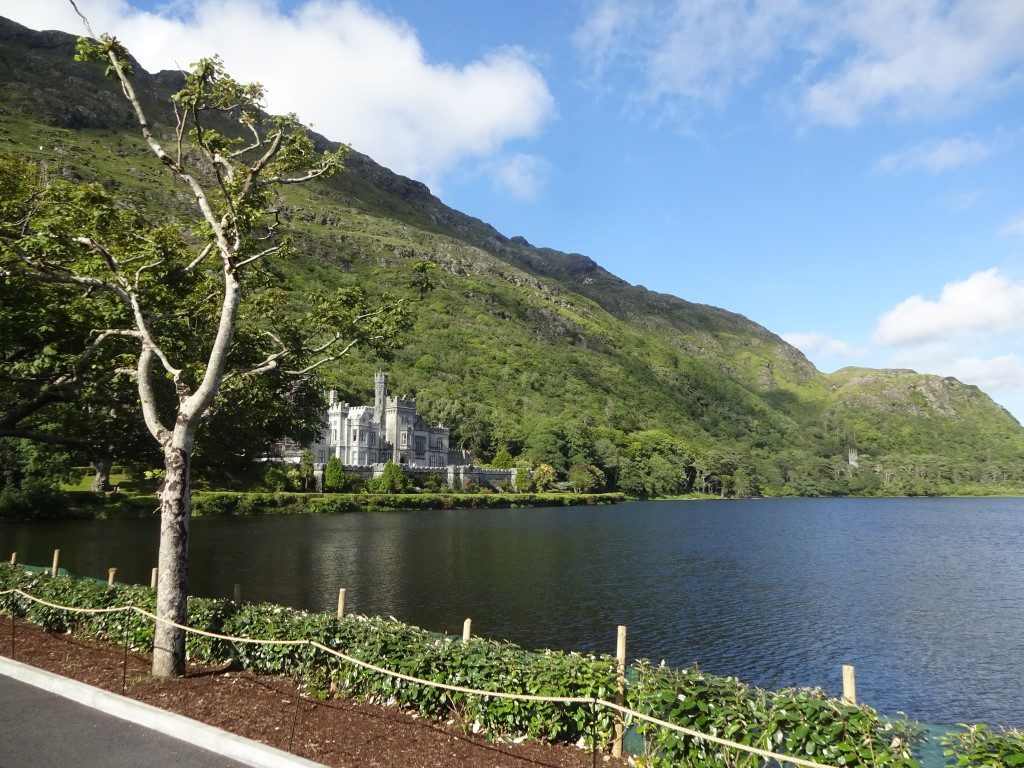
(542, 352)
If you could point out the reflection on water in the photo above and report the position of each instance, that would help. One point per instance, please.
(925, 597)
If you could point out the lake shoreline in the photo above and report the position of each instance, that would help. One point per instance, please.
(89, 505)
(922, 596)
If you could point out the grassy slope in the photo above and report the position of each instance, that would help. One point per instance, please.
(513, 329)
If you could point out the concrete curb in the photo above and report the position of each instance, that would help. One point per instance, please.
(221, 742)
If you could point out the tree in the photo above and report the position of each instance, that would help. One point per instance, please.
(59, 384)
(334, 475)
(306, 469)
(545, 444)
(392, 479)
(28, 476)
(584, 478)
(503, 459)
(178, 287)
(276, 478)
(544, 477)
(524, 478)
(655, 464)
(64, 379)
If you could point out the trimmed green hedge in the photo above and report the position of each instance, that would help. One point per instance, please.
(979, 745)
(804, 722)
(481, 663)
(233, 503)
(229, 503)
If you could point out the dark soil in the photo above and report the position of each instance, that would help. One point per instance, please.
(340, 732)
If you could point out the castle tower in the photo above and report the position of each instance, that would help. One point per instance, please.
(380, 397)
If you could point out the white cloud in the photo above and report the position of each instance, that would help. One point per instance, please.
(986, 303)
(987, 365)
(919, 58)
(357, 75)
(605, 33)
(1014, 226)
(845, 60)
(934, 156)
(522, 176)
(1002, 372)
(971, 332)
(961, 201)
(822, 347)
(716, 46)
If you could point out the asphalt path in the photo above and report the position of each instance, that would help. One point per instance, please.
(39, 729)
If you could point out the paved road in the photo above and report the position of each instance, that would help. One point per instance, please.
(41, 730)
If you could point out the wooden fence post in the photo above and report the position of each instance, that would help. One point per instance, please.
(849, 684)
(620, 688)
(14, 559)
(238, 594)
(467, 630)
(341, 603)
(56, 562)
(111, 573)
(152, 578)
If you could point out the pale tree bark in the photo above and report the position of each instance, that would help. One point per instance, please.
(177, 442)
(230, 241)
(172, 564)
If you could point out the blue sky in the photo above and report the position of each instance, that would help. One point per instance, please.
(846, 173)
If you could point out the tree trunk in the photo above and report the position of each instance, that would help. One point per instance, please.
(101, 480)
(172, 568)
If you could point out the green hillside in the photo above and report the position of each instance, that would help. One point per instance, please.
(540, 352)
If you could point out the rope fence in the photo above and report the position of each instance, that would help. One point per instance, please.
(626, 712)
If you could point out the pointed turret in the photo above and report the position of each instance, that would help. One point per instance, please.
(380, 397)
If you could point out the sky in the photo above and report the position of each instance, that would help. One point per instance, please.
(847, 173)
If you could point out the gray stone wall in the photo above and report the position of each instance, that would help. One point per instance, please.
(484, 477)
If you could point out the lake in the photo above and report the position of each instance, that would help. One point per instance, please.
(924, 596)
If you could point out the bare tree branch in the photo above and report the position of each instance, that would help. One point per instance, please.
(269, 363)
(323, 361)
(198, 259)
(256, 257)
(314, 174)
(58, 273)
(257, 167)
(104, 253)
(147, 397)
(256, 144)
(143, 268)
(157, 148)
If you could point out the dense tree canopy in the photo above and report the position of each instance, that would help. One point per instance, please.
(164, 302)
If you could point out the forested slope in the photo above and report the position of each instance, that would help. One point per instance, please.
(542, 353)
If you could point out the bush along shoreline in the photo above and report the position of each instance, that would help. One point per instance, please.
(800, 722)
(61, 505)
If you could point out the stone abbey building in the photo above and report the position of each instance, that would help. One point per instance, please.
(366, 437)
(388, 430)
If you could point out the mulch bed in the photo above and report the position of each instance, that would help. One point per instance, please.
(339, 732)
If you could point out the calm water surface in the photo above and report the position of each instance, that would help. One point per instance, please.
(924, 596)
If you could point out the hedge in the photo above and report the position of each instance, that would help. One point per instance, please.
(804, 722)
(234, 503)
